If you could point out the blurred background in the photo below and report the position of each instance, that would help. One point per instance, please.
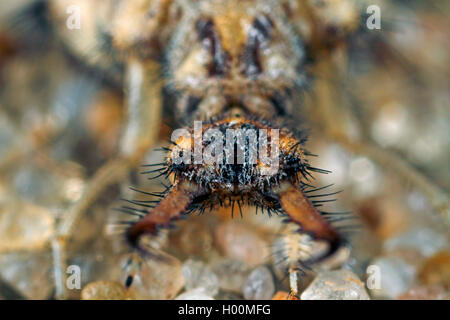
(60, 121)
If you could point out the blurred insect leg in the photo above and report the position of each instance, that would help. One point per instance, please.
(132, 268)
(171, 207)
(112, 172)
(439, 200)
(144, 112)
(163, 215)
(36, 140)
(302, 212)
(293, 283)
(143, 107)
(333, 117)
(58, 250)
(13, 158)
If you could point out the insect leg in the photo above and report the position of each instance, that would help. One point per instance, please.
(112, 172)
(439, 200)
(143, 108)
(332, 123)
(293, 283)
(144, 113)
(175, 203)
(302, 212)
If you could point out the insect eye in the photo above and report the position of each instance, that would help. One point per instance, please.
(204, 28)
(263, 25)
(211, 41)
(260, 33)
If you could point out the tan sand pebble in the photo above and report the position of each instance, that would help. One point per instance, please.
(104, 290)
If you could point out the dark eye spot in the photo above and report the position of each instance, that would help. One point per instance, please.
(264, 26)
(207, 34)
(204, 28)
(260, 33)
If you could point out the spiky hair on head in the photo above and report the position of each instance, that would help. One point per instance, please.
(208, 184)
